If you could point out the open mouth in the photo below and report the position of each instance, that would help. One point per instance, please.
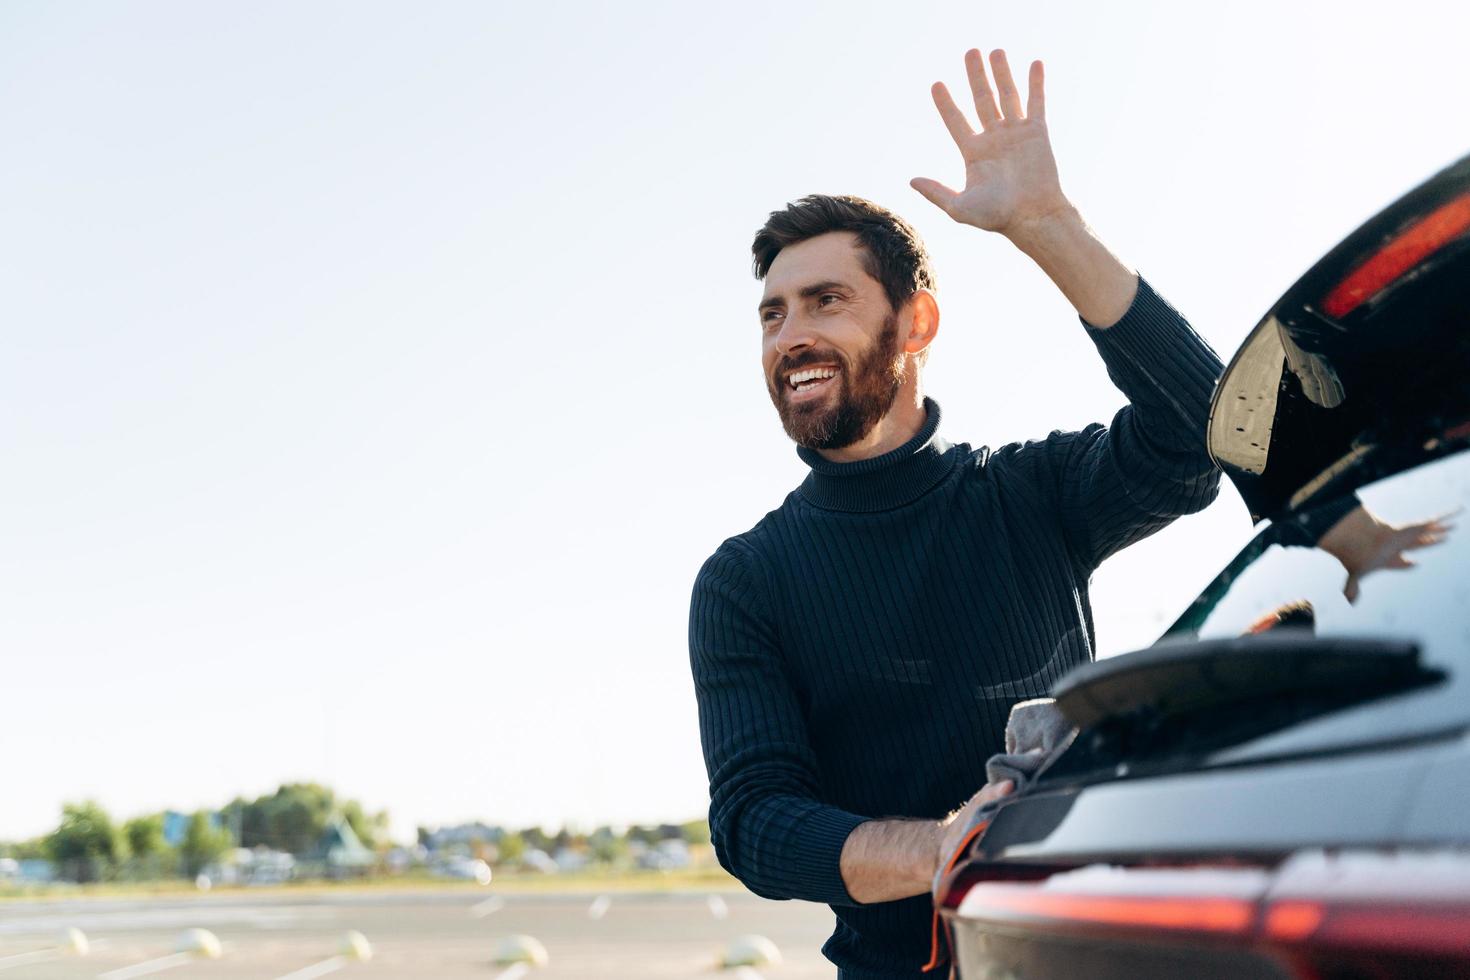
(808, 381)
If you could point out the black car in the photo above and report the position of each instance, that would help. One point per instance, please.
(1280, 787)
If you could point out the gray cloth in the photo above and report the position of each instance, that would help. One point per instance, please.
(1036, 733)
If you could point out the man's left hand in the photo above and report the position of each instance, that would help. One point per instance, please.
(1365, 544)
(1010, 173)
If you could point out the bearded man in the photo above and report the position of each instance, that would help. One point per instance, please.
(856, 653)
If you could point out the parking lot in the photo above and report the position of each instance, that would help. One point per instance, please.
(451, 933)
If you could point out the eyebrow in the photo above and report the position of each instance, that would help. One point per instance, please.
(806, 292)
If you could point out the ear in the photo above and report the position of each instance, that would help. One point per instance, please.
(923, 321)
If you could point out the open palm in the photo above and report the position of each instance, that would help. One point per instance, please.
(1010, 172)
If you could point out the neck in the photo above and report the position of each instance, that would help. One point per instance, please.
(902, 423)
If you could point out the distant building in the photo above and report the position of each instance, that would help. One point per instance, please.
(341, 850)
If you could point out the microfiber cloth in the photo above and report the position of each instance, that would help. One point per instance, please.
(1036, 733)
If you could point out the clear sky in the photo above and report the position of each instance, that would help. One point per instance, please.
(376, 377)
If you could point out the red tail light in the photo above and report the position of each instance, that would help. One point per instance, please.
(1408, 929)
(1026, 902)
(1406, 914)
(1398, 256)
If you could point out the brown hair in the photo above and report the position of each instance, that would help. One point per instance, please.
(893, 254)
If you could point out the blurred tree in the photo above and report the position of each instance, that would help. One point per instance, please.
(86, 844)
(30, 850)
(606, 846)
(424, 833)
(537, 838)
(203, 843)
(371, 830)
(695, 831)
(512, 848)
(295, 815)
(152, 858)
(24, 850)
(145, 835)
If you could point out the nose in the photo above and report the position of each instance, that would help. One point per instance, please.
(795, 334)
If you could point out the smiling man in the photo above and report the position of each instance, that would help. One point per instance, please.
(856, 653)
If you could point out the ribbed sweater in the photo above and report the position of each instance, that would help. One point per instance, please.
(856, 653)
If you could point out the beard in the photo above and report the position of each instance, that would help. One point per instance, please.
(866, 391)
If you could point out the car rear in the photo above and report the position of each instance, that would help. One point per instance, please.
(1281, 786)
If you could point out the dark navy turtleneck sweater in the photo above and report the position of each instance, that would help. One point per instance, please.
(857, 652)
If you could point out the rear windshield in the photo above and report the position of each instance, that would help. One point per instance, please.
(1410, 548)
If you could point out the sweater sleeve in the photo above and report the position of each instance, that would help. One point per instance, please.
(1118, 484)
(766, 823)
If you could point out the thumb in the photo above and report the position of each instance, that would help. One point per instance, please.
(937, 194)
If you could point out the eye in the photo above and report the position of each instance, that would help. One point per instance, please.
(770, 317)
(823, 300)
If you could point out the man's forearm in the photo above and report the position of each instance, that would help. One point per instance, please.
(886, 860)
(1094, 280)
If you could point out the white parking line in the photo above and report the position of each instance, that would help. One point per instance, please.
(514, 973)
(321, 969)
(717, 907)
(35, 956)
(599, 907)
(746, 973)
(492, 904)
(147, 966)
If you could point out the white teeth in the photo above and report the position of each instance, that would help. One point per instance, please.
(811, 374)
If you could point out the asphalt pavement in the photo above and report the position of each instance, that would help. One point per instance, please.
(452, 934)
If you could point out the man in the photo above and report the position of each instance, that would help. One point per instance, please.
(855, 654)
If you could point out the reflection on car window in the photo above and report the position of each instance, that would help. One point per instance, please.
(1399, 557)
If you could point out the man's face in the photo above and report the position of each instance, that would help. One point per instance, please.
(830, 342)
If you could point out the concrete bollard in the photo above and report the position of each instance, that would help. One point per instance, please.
(750, 951)
(355, 946)
(199, 942)
(520, 949)
(73, 940)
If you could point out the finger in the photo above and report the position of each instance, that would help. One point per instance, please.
(980, 88)
(1036, 92)
(954, 119)
(937, 194)
(1010, 98)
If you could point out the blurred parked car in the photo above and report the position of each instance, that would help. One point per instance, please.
(1280, 787)
(666, 855)
(464, 868)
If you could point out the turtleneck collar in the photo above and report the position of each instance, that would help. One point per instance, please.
(883, 482)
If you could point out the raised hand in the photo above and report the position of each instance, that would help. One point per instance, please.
(1010, 172)
(1365, 544)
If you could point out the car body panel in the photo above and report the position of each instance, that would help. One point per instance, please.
(1254, 810)
(1440, 810)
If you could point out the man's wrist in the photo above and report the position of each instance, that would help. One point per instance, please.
(1099, 286)
(1037, 233)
